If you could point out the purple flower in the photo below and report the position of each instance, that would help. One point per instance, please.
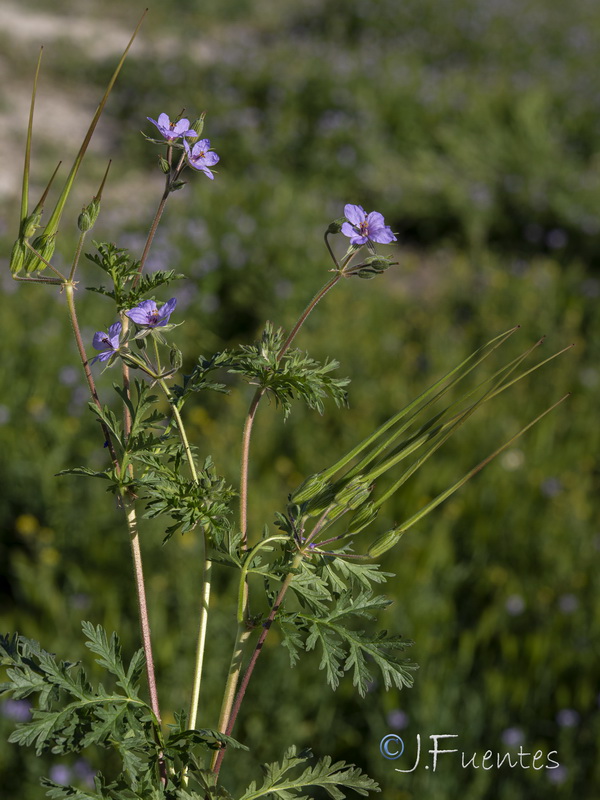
(362, 227)
(511, 737)
(107, 342)
(148, 315)
(172, 130)
(60, 773)
(19, 710)
(85, 772)
(201, 157)
(397, 719)
(567, 717)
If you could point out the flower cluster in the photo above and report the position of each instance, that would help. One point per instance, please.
(146, 314)
(199, 156)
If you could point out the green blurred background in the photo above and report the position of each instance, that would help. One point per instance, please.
(474, 127)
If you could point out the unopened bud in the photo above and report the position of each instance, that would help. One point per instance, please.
(322, 500)
(355, 493)
(311, 487)
(198, 126)
(385, 542)
(365, 515)
(88, 216)
(175, 358)
(372, 266)
(336, 225)
(164, 165)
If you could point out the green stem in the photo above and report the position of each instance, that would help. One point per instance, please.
(54, 281)
(309, 308)
(69, 292)
(180, 425)
(77, 254)
(244, 629)
(129, 511)
(126, 387)
(136, 553)
(248, 425)
(47, 263)
(171, 177)
(257, 650)
(206, 575)
(245, 458)
(201, 641)
(243, 633)
(151, 233)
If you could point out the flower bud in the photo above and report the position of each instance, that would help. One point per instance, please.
(372, 266)
(385, 542)
(88, 216)
(336, 225)
(321, 501)
(311, 487)
(365, 515)
(164, 165)
(355, 493)
(175, 358)
(198, 126)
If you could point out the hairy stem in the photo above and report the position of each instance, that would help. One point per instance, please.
(243, 633)
(131, 519)
(169, 180)
(69, 291)
(253, 659)
(181, 427)
(206, 575)
(309, 308)
(248, 425)
(129, 511)
(77, 255)
(245, 459)
(244, 629)
(136, 553)
(201, 640)
(151, 233)
(140, 586)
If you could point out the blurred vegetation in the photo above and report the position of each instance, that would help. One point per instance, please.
(473, 126)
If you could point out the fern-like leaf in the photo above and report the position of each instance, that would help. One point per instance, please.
(280, 781)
